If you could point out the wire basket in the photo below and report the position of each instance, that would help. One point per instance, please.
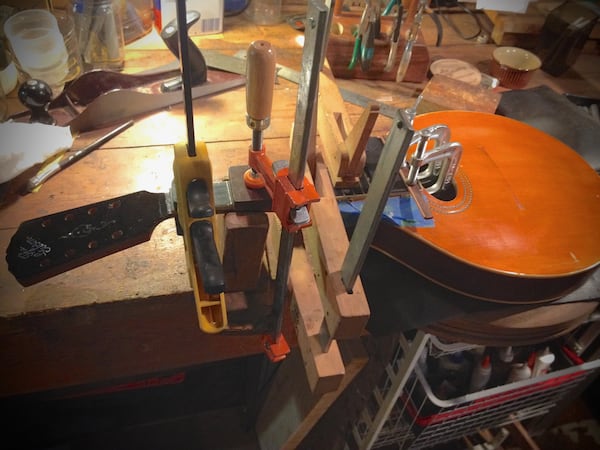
(420, 419)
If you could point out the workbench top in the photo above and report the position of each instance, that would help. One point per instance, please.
(133, 312)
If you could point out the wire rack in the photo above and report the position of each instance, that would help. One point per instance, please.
(404, 411)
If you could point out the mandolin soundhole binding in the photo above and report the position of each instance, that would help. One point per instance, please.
(461, 201)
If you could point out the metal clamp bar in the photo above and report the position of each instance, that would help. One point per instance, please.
(186, 75)
(308, 89)
(316, 32)
(392, 156)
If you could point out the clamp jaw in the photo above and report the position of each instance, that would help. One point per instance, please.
(288, 203)
(195, 216)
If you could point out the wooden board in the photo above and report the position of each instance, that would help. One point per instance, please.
(511, 327)
(244, 238)
(447, 93)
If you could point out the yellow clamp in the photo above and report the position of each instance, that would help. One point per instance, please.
(196, 218)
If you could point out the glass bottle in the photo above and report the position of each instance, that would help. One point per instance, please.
(99, 27)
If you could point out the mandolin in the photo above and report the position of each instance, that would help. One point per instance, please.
(523, 223)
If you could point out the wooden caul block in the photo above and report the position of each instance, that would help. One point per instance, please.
(343, 141)
(346, 313)
(324, 367)
(243, 248)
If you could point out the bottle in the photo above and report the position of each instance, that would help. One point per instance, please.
(481, 374)
(99, 31)
(542, 363)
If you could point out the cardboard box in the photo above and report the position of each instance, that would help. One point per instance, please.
(211, 15)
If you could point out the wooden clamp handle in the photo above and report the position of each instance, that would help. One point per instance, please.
(260, 79)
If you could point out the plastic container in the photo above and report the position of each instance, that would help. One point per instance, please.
(38, 46)
(564, 33)
(542, 364)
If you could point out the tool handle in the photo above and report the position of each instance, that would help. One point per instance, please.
(206, 257)
(260, 79)
(169, 35)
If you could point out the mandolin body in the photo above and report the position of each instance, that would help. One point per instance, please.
(524, 225)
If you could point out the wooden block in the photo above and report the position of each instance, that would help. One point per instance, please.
(519, 29)
(346, 313)
(343, 142)
(323, 366)
(448, 93)
(291, 410)
(244, 245)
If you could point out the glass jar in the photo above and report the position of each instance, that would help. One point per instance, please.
(99, 28)
(138, 19)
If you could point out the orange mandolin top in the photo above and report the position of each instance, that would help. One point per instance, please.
(526, 204)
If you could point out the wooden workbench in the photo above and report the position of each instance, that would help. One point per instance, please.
(133, 313)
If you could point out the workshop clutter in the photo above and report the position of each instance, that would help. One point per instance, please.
(435, 405)
(466, 371)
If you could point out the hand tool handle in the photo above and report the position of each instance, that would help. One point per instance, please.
(169, 35)
(260, 79)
